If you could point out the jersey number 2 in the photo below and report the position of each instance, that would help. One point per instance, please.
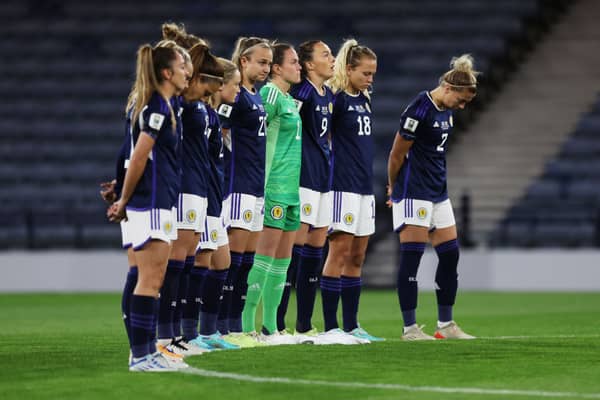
(440, 147)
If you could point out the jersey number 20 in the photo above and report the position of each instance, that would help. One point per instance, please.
(262, 130)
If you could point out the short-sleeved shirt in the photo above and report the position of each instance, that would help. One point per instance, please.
(158, 186)
(245, 163)
(423, 173)
(316, 111)
(284, 145)
(352, 144)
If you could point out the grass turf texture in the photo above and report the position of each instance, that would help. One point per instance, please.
(56, 346)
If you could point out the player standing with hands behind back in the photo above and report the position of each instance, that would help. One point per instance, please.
(352, 189)
(419, 196)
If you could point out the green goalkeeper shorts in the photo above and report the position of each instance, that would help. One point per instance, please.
(282, 215)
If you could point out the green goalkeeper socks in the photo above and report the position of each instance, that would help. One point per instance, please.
(256, 284)
(274, 285)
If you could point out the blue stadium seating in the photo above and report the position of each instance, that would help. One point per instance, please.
(72, 65)
(562, 207)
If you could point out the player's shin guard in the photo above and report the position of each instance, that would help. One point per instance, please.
(290, 282)
(274, 287)
(256, 283)
(446, 278)
(191, 312)
(169, 299)
(410, 257)
(306, 286)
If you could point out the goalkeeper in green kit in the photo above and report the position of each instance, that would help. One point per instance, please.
(282, 202)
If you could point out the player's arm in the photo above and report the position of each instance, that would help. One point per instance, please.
(397, 156)
(137, 165)
(403, 140)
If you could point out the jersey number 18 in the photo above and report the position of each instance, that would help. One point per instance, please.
(364, 125)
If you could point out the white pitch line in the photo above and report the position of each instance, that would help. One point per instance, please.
(387, 386)
(590, 336)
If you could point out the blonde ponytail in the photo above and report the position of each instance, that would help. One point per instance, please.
(350, 54)
(150, 61)
(462, 75)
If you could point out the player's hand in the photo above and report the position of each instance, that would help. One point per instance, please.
(108, 191)
(116, 212)
(388, 202)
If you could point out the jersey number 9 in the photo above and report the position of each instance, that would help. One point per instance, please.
(323, 127)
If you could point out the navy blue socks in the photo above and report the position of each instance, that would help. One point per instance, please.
(331, 289)
(169, 299)
(446, 278)
(410, 257)
(350, 297)
(290, 282)
(306, 286)
(130, 283)
(191, 312)
(211, 299)
(225, 307)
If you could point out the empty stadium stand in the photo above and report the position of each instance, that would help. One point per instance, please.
(69, 65)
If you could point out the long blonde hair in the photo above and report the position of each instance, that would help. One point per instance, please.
(244, 47)
(462, 75)
(350, 54)
(150, 62)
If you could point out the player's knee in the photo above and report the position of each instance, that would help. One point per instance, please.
(356, 260)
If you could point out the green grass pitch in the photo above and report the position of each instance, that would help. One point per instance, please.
(543, 345)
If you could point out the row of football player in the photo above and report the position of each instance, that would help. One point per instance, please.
(315, 191)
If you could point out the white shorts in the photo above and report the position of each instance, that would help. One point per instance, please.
(423, 213)
(143, 226)
(315, 208)
(191, 212)
(124, 235)
(214, 234)
(244, 211)
(353, 213)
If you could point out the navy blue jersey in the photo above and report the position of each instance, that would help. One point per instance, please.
(177, 104)
(215, 153)
(315, 111)
(123, 156)
(352, 144)
(423, 173)
(158, 185)
(195, 163)
(246, 118)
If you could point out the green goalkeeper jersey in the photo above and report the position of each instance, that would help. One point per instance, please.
(284, 145)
